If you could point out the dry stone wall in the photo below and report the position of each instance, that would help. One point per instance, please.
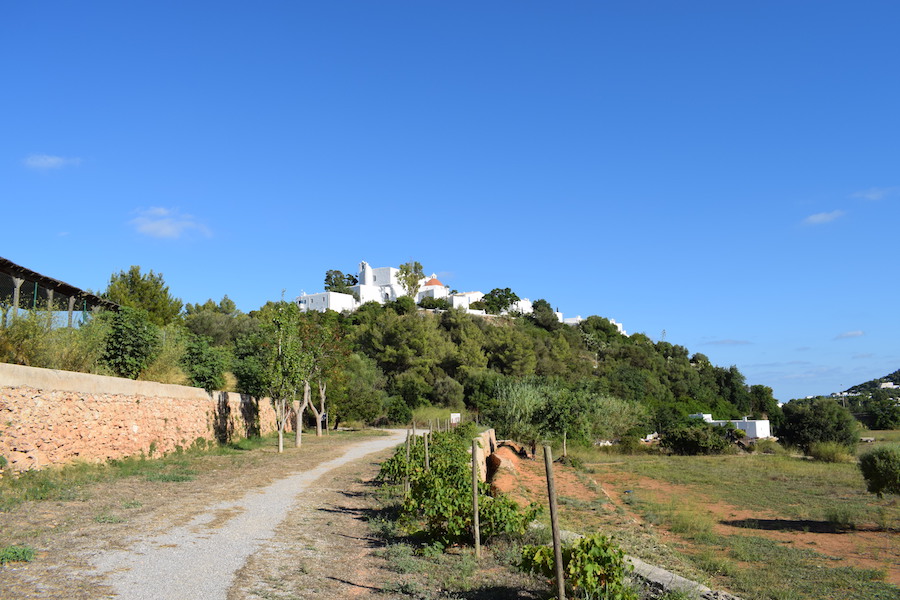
(49, 417)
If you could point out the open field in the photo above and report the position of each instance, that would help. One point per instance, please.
(760, 526)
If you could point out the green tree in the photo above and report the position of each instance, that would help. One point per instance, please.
(205, 364)
(764, 404)
(410, 275)
(543, 316)
(286, 366)
(147, 292)
(818, 419)
(223, 323)
(132, 342)
(884, 409)
(498, 300)
(336, 281)
(357, 390)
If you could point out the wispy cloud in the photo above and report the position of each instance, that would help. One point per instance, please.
(876, 193)
(822, 218)
(850, 334)
(866, 356)
(46, 162)
(727, 343)
(167, 223)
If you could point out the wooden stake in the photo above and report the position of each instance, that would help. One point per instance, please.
(406, 471)
(476, 531)
(426, 435)
(554, 524)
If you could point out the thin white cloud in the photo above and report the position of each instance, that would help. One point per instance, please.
(850, 334)
(728, 343)
(46, 162)
(822, 218)
(863, 356)
(167, 223)
(876, 193)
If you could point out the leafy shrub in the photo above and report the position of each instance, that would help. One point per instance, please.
(440, 499)
(832, 452)
(594, 567)
(768, 447)
(694, 437)
(434, 303)
(205, 364)
(16, 554)
(881, 469)
(818, 420)
(133, 342)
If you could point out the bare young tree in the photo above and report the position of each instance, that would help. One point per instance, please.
(410, 275)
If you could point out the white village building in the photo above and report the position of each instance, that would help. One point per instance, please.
(382, 285)
(754, 429)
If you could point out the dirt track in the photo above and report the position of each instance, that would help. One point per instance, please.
(274, 528)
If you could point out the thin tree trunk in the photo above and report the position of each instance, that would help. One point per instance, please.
(298, 441)
(322, 384)
(315, 411)
(281, 417)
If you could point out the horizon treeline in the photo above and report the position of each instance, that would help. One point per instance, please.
(526, 371)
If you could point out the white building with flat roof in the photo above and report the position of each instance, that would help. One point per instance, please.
(382, 285)
(754, 428)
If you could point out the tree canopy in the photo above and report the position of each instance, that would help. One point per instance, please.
(144, 291)
(410, 275)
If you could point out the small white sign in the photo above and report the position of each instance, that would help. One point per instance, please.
(455, 418)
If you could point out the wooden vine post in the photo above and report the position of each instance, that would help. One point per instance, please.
(476, 531)
(425, 437)
(406, 470)
(554, 524)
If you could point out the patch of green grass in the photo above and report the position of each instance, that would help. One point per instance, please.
(132, 504)
(108, 518)
(16, 554)
(401, 558)
(793, 487)
(172, 476)
(713, 563)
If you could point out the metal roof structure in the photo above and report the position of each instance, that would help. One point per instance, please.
(23, 288)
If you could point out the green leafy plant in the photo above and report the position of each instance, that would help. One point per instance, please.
(881, 469)
(132, 343)
(439, 502)
(594, 567)
(16, 554)
(694, 437)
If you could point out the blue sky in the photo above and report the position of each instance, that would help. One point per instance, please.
(723, 172)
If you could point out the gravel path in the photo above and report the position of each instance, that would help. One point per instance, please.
(199, 559)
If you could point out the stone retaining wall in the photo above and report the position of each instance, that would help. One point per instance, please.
(49, 417)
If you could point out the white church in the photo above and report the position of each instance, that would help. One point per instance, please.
(382, 285)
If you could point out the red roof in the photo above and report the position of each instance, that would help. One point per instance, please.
(434, 281)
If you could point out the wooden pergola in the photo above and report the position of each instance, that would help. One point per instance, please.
(27, 289)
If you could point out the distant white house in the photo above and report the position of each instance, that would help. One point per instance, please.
(754, 429)
(888, 385)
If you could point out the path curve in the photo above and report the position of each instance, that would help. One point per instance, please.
(199, 559)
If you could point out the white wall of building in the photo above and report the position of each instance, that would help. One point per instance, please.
(382, 285)
(753, 428)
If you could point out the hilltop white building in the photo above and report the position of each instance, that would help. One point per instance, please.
(382, 285)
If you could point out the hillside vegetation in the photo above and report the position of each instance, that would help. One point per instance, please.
(530, 376)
